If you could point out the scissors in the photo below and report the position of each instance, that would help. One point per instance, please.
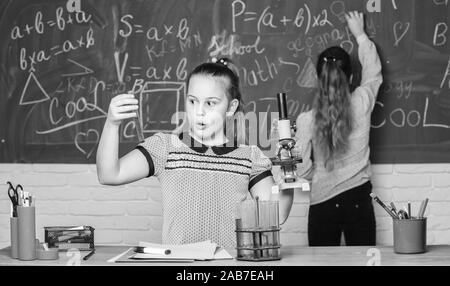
(14, 196)
(402, 214)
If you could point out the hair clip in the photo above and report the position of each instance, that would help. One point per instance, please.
(329, 59)
(223, 61)
(219, 61)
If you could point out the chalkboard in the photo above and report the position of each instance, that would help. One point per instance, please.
(62, 62)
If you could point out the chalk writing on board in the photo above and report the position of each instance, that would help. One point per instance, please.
(173, 92)
(308, 76)
(441, 2)
(72, 108)
(229, 45)
(401, 118)
(65, 62)
(394, 4)
(446, 76)
(91, 135)
(82, 71)
(30, 98)
(400, 30)
(441, 34)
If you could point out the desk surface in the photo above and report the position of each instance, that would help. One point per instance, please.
(291, 256)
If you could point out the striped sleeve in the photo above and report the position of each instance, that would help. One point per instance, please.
(261, 166)
(154, 148)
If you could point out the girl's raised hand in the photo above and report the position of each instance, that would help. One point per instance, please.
(355, 21)
(122, 106)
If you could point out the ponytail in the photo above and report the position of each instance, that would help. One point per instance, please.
(332, 106)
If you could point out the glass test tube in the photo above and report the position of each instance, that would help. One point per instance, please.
(138, 127)
(137, 122)
(259, 253)
(264, 223)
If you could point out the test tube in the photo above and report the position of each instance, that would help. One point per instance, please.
(265, 224)
(277, 223)
(239, 235)
(138, 127)
(138, 123)
(259, 253)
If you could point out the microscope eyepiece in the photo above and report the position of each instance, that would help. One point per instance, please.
(282, 106)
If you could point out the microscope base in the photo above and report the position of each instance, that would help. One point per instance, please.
(301, 185)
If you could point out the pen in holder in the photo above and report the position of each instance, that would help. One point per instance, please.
(26, 232)
(410, 235)
(13, 223)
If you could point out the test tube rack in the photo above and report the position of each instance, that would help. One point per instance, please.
(258, 231)
(264, 244)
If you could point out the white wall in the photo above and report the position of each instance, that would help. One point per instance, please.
(69, 194)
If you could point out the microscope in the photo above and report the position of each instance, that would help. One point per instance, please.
(285, 158)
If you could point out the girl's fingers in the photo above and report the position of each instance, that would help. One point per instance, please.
(126, 108)
(354, 15)
(122, 96)
(122, 116)
(350, 15)
(126, 101)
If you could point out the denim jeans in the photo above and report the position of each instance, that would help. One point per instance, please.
(350, 212)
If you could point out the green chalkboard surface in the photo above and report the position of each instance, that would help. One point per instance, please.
(61, 63)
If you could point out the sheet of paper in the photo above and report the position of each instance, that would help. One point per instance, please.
(146, 256)
(199, 251)
(221, 253)
(155, 261)
(129, 256)
(205, 250)
(120, 255)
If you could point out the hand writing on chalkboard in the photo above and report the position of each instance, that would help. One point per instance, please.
(122, 106)
(355, 21)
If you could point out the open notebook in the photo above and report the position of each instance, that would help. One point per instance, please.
(205, 250)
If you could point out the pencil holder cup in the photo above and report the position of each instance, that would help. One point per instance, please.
(258, 231)
(26, 232)
(13, 227)
(410, 235)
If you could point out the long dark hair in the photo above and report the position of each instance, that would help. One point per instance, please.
(225, 68)
(333, 122)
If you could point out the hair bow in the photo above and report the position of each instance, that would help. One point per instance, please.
(329, 59)
(220, 61)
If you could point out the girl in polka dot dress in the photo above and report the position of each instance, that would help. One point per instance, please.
(204, 173)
